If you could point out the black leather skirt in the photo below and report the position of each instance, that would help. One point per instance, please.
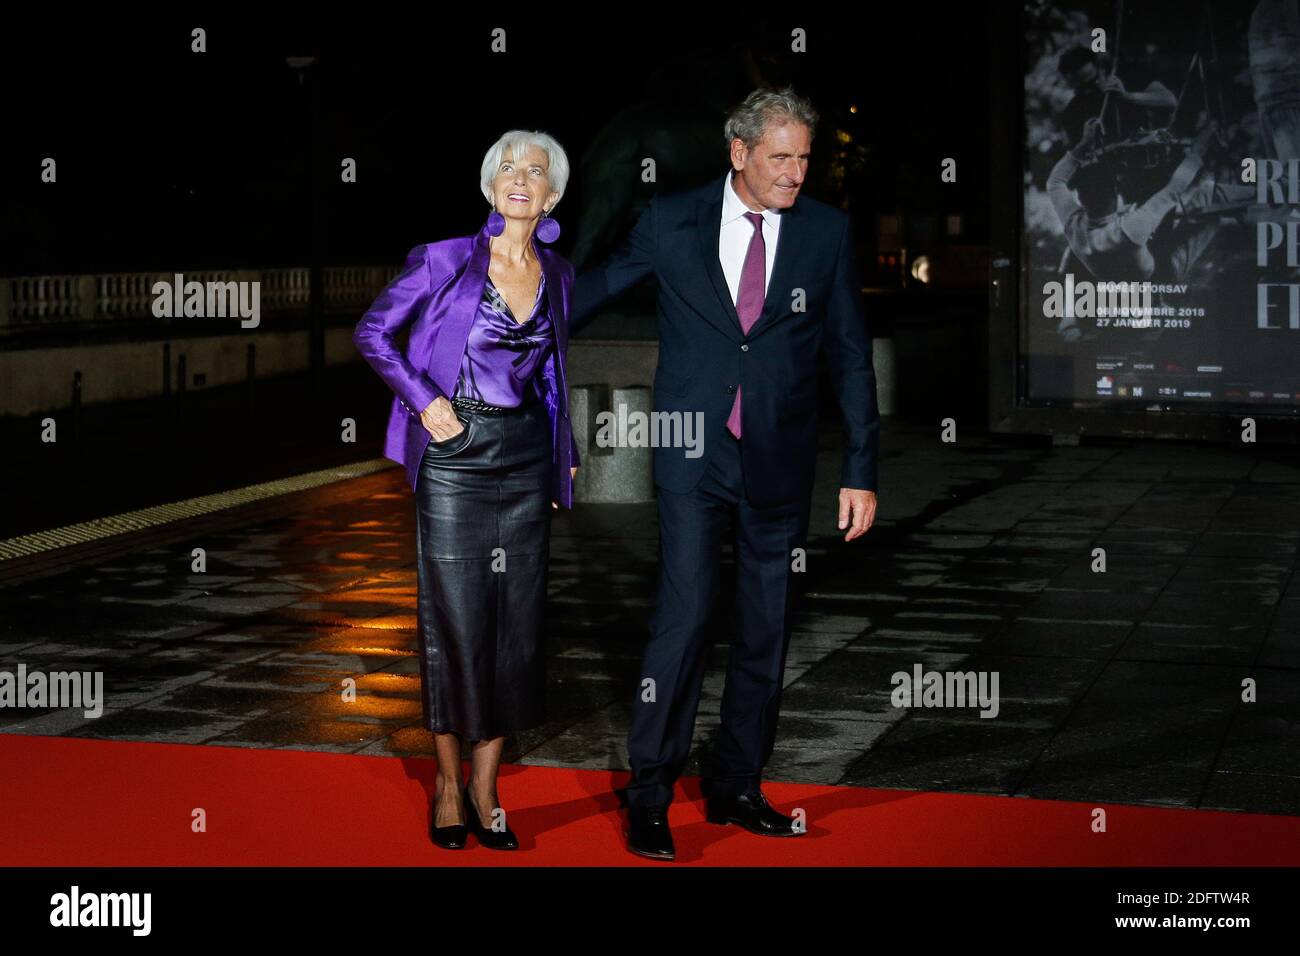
(483, 525)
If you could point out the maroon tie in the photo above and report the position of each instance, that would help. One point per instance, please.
(749, 298)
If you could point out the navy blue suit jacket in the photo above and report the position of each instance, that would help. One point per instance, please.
(813, 301)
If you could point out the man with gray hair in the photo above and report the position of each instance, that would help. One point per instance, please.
(753, 282)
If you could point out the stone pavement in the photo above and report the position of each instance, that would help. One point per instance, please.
(1123, 686)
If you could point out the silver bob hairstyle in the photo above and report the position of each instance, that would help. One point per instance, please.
(517, 141)
(748, 120)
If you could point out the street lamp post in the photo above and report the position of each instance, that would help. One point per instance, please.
(316, 290)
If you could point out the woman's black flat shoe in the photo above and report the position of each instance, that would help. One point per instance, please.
(492, 839)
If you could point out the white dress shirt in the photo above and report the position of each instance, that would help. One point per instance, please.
(733, 239)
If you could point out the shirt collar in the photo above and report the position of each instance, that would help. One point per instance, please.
(733, 208)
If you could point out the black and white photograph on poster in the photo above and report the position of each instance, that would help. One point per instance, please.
(1162, 202)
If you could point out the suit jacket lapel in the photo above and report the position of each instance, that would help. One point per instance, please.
(556, 297)
(708, 226)
(554, 294)
(458, 316)
(790, 241)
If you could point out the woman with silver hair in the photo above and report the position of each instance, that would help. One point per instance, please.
(480, 420)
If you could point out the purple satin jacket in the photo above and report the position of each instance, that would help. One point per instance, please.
(438, 294)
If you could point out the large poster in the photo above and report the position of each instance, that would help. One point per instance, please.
(1162, 202)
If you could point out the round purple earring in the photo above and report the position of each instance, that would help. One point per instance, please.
(496, 223)
(548, 230)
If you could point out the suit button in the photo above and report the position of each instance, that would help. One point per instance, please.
(744, 348)
(731, 389)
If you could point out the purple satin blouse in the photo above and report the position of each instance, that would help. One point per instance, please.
(502, 356)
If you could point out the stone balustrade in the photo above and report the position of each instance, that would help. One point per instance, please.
(27, 301)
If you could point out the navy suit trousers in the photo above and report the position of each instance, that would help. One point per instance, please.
(693, 528)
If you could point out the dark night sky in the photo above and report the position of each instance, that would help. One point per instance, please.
(169, 159)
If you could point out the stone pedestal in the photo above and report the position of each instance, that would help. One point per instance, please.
(609, 474)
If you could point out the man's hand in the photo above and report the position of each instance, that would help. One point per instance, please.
(857, 511)
(439, 420)
(1114, 84)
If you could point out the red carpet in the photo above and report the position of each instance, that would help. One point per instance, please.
(71, 802)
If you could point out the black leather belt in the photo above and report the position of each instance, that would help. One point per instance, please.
(483, 408)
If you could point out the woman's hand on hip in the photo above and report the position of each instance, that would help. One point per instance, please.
(440, 420)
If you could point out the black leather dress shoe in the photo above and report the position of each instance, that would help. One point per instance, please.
(492, 839)
(648, 833)
(449, 838)
(753, 812)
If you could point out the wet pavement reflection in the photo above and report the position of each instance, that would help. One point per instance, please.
(1121, 686)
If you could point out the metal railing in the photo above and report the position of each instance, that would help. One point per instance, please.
(51, 300)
